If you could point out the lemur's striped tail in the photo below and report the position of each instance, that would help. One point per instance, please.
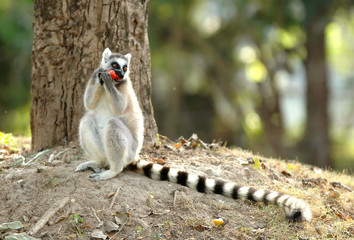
(295, 209)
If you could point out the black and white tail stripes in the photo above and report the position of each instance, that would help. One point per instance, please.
(295, 209)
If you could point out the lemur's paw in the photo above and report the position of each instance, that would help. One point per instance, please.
(90, 164)
(104, 77)
(95, 177)
(103, 175)
(81, 167)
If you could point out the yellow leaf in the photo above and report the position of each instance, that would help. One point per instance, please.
(257, 163)
(218, 221)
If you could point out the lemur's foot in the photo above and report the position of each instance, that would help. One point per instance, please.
(89, 164)
(103, 175)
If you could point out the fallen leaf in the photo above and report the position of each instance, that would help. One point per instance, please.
(73, 235)
(333, 193)
(263, 166)
(168, 234)
(110, 194)
(11, 226)
(257, 163)
(286, 173)
(218, 222)
(98, 234)
(20, 236)
(159, 161)
(110, 226)
(121, 218)
(289, 166)
(201, 228)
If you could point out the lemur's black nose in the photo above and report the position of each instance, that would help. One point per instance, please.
(119, 73)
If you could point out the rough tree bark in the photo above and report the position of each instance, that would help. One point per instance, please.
(316, 141)
(69, 37)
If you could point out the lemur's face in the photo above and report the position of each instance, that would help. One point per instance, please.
(117, 62)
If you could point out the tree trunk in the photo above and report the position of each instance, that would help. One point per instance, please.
(69, 38)
(316, 140)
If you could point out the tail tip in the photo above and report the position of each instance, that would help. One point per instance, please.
(303, 214)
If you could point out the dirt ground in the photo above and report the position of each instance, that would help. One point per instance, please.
(148, 209)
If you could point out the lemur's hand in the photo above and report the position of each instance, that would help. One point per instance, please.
(104, 77)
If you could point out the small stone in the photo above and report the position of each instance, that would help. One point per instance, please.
(21, 182)
(25, 218)
(140, 222)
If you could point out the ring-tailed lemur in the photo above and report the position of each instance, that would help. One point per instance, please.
(111, 131)
(111, 134)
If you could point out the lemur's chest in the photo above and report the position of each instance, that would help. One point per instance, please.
(104, 113)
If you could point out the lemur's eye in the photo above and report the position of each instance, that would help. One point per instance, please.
(125, 68)
(115, 65)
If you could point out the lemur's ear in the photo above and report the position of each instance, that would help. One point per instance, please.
(128, 56)
(105, 55)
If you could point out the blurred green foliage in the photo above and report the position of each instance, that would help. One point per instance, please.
(230, 70)
(234, 70)
(16, 19)
(8, 141)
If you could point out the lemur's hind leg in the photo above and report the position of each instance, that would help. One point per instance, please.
(92, 145)
(118, 143)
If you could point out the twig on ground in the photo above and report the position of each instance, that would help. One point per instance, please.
(120, 229)
(100, 222)
(114, 197)
(53, 156)
(175, 198)
(37, 156)
(203, 144)
(48, 214)
(166, 139)
(340, 185)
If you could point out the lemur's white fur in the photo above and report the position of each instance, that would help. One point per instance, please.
(111, 131)
(111, 134)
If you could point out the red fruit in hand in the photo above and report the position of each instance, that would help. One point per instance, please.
(113, 74)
